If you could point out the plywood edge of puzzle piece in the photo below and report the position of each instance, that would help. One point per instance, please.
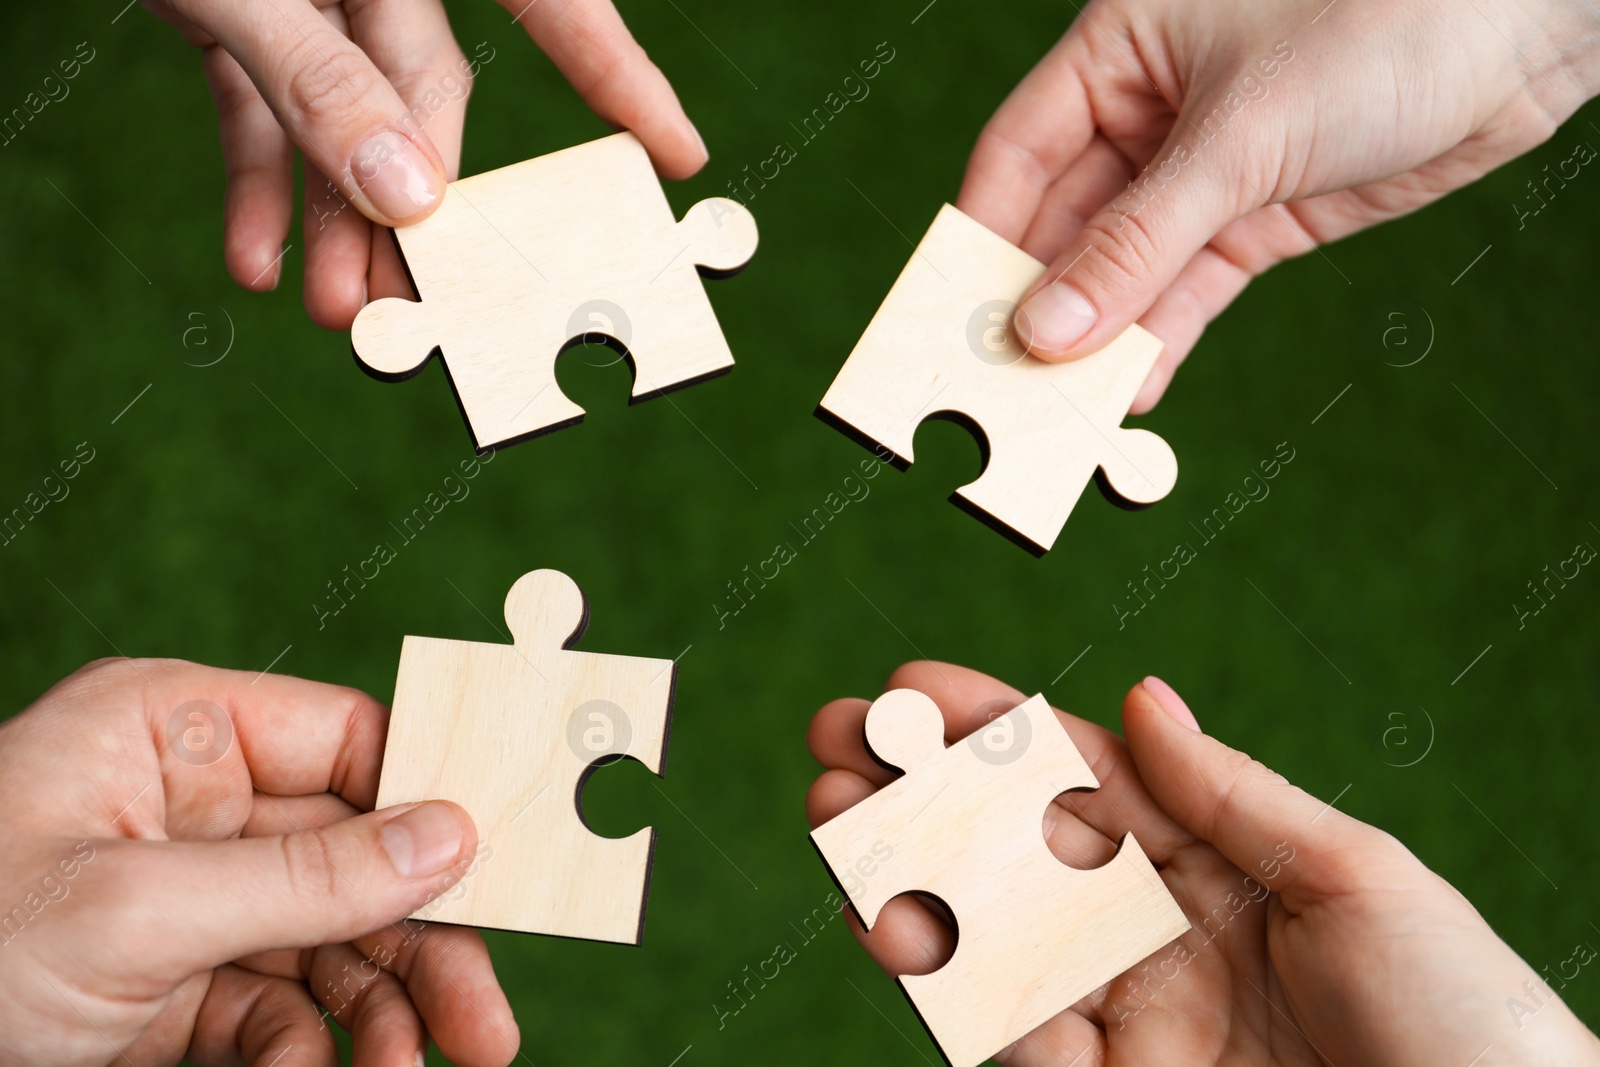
(457, 732)
(918, 359)
(1122, 911)
(719, 234)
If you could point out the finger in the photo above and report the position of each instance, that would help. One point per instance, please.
(339, 239)
(259, 162)
(166, 1038)
(967, 699)
(1041, 129)
(411, 44)
(333, 103)
(835, 791)
(271, 815)
(1121, 804)
(371, 1004)
(908, 938)
(205, 734)
(1209, 283)
(590, 45)
(1089, 183)
(837, 739)
(446, 970)
(339, 242)
(280, 737)
(295, 736)
(206, 903)
(260, 1020)
(449, 977)
(386, 275)
(1066, 1040)
(1278, 834)
(1245, 249)
(1133, 248)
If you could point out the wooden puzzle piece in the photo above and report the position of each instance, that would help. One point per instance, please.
(940, 346)
(519, 263)
(964, 824)
(511, 733)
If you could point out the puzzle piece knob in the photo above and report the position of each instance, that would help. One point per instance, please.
(545, 604)
(1142, 469)
(722, 234)
(905, 729)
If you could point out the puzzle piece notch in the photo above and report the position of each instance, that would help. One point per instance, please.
(511, 733)
(964, 824)
(516, 263)
(940, 346)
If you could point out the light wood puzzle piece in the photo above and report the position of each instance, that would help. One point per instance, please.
(940, 347)
(964, 824)
(518, 263)
(511, 732)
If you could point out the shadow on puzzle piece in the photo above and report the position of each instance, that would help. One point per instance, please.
(520, 263)
(964, 824)
(940, 346)
(512, 733)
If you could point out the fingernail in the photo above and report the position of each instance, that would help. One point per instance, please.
(1170, 702)
(397, 178)
(422, 841)
(704, 151)
(422, 1058)
(1055, 318)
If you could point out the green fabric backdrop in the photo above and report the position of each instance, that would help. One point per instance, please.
(1328, 629)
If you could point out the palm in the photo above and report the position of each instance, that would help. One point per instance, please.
(304, 756)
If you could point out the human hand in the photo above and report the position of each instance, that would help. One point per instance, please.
(1316, 938)
(179, 880)
(1165, 151)
(373, 93)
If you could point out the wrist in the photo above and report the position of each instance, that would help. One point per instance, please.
(1565, 60)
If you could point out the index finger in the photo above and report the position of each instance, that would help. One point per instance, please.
(1035, 136)
(589, 43)
(294, 736)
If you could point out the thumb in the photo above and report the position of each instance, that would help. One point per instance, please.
(205, 903)
(333, 102)
(1128, 253)
(1278, 834)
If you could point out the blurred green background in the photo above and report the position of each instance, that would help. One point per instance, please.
(1328, 631)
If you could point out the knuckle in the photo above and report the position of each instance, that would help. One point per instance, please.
(324, 86)
(623, 64)
(111, 672)
(435, 88)
(1244, 777)
(233, 101)
(310, 870)
(1122, 252)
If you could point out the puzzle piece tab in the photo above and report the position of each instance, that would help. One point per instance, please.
(511, 732)
(941, 346)
(519, 263)
(964, 824)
